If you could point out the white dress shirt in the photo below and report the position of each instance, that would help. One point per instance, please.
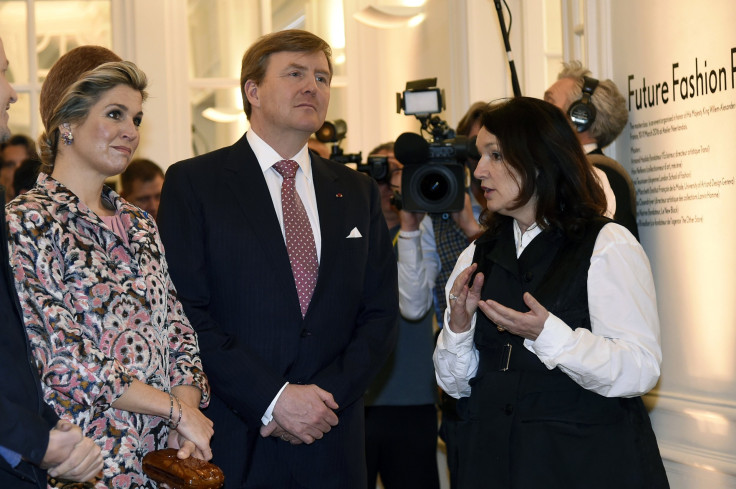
(267, 157)
(418, 267)
(620, 356)
(603, 180)
(304, 183)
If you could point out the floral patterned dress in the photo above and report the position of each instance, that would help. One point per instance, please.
(100, 313)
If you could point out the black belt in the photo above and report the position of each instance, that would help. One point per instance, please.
(503, 357)
(495, 358)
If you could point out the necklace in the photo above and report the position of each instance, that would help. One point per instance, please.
(519, 236)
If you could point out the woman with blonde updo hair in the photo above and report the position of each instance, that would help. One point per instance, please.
(117, 355)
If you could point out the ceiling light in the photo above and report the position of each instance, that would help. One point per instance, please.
(386, 17)
(223, 114)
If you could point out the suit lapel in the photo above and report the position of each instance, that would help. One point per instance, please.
(329, 193)
(244, 179)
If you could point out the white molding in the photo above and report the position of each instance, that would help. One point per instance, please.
(488, 72)
(533, 31)
(459, 90)
(572, 47)
(591, 33)
(159, 47)
(36, 124)
(698, 458)
(537, 53)
(600, 44)
(695, 431)
(660, 398)
(682, 476)
(123, 28)
(595, 48)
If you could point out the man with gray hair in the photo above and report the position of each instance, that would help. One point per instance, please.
(598, 112)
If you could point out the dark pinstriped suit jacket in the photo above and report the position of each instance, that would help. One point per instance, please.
(228, 260)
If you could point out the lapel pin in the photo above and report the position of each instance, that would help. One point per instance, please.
(338, 195)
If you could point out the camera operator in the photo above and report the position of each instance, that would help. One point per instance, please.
(319, 147)
(400, 414)
(451, 234)
(435, 180)
(469, 126)
(454, 231)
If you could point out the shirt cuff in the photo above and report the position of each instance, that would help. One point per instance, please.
(13, 458)
(457, 343)
(268, 415)
(410, 234)
(550, 342)
(409, 247)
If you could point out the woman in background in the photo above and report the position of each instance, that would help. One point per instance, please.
(116, 354)
(550, 372)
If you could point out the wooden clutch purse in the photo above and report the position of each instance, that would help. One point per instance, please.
(163, 466)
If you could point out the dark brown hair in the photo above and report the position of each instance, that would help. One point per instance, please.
(389, 146)
(140, 169)
(22, 140)
(536, 140)
(255, 60)
(473, 115)
(25, 176)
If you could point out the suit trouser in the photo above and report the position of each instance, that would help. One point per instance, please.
(401, 446)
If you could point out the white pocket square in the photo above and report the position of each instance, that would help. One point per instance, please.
(354, 234)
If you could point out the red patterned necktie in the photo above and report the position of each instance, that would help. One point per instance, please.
(299, 238)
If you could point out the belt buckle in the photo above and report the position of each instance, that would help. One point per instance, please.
(505, 359)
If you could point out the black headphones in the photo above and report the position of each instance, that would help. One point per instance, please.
(582, 112)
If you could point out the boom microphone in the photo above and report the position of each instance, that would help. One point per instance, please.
(411, 149)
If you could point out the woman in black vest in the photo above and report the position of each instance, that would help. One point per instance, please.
(550, 373)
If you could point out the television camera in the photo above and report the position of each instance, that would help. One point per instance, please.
(434, 176)
(332, 132)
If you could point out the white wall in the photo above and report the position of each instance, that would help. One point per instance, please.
(694, 407)
(682, 155)
(459, 43)
(153, 35)
(381, 61)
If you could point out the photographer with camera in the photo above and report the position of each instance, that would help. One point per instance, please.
(437, 180)
(452, 234)
(435, 176)
(400, 413)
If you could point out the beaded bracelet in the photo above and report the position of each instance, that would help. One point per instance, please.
(173, 425)
(171, 408)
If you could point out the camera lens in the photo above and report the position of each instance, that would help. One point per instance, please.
(434, 186)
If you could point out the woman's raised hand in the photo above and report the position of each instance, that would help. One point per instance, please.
(464, 298)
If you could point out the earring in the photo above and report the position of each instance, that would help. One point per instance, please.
(66, 135)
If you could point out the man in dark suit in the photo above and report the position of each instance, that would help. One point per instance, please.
(604, 117)
(32, 438)
(287, 373)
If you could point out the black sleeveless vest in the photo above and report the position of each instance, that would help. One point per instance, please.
(553, 269)
(525, 426)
